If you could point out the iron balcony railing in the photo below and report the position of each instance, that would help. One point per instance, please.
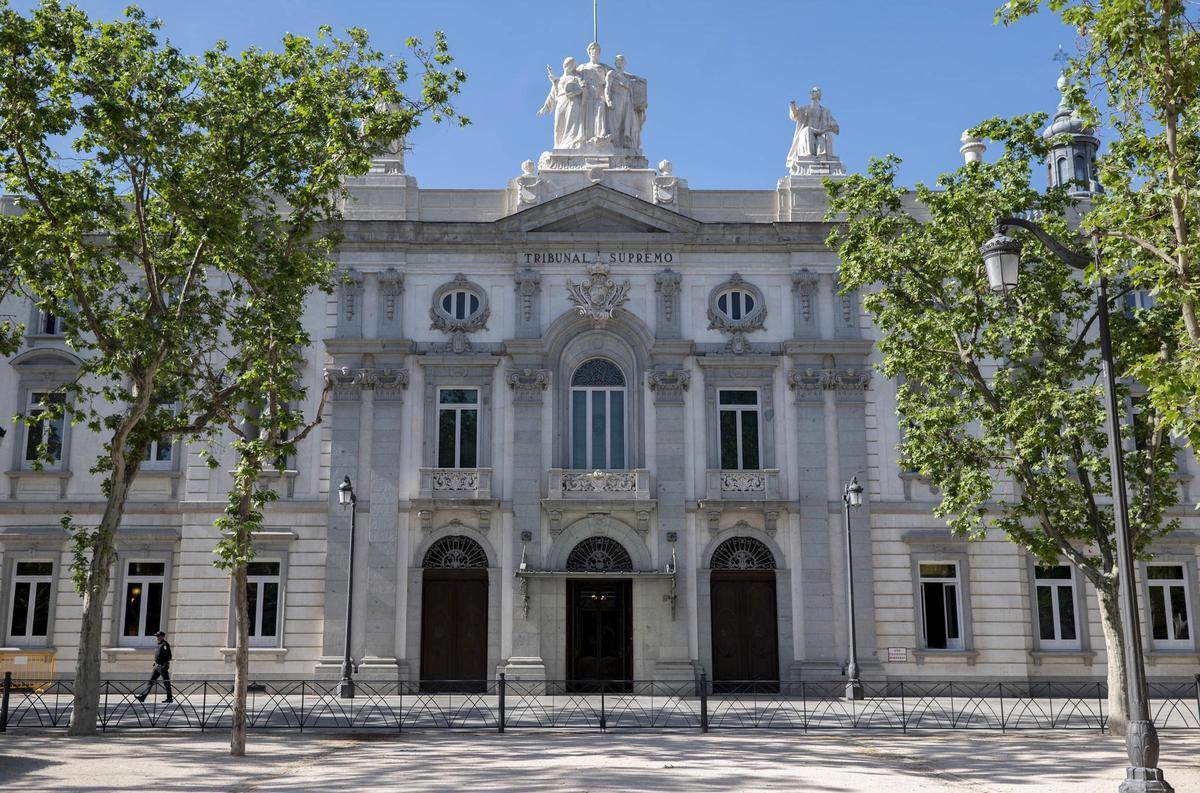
(502, 704)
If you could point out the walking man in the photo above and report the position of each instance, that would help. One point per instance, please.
(162, 668)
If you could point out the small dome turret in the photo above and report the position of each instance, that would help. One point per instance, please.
(1072, 160)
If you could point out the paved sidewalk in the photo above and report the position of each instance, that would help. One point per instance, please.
(532, 762)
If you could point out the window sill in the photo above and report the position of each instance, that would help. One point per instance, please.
(943, 656)
(1040, 656)
(127, 653)
(1187, 654)
(17, 475)
(278, 653)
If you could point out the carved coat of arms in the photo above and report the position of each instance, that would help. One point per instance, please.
(598, 296)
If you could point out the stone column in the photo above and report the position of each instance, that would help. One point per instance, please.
(381, 534)
(345, 416)
(668, 386)
(528, 386)
(815, 610)
(849, 387)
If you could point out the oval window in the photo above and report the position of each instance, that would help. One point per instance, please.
(460, 304)
(736, 304)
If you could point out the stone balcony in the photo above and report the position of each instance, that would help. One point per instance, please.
(632, 484)
(728, 485)
(456, 483)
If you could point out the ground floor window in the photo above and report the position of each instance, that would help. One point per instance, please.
(1170, 621)
(1056, 623)
(263, 600)
(940, 605)
(142, 617)
(29, 615)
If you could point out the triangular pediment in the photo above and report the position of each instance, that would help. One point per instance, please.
(598, 210)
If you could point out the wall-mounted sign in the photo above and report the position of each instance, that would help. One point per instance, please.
(898, 655)
(597, 257)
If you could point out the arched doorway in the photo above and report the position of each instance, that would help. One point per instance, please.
(454, 616)
(599, 616)
(745, 634)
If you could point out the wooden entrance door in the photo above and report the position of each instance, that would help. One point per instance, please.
(745, 636)
(454, 630)
(599, 634)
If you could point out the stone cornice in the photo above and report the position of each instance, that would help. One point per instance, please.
(809, 382)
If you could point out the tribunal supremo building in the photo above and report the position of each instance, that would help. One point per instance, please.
(599, 425)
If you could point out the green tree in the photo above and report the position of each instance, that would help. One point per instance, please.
(1000, 397)
(165, 197)
(1142, 58)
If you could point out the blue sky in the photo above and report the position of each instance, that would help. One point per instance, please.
(902, 76)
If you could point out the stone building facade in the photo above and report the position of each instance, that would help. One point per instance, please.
(599, 424)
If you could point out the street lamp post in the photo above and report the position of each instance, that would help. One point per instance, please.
(852, 497)
(346, 497)
(1001, 256)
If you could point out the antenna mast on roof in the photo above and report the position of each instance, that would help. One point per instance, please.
(595, 23)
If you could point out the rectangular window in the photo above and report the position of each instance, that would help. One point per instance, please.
(1170, 620)
(940, 605)
(143, 607)
(458, 428)
(161, 451)
(597, 428)
(262, 603)
(49, 324)
(1056, 624)
(45, 430)
(29, 615)
(739, 434)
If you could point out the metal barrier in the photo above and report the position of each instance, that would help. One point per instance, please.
(506, 704)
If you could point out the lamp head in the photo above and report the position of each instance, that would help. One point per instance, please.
(1002, 260)
(854, 493)
(345, 492)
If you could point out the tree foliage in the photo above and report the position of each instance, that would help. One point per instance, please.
(1139, 63)
(999, 396)
(174, 208)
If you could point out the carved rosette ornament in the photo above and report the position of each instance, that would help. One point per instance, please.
(459, 307)
(598, 296)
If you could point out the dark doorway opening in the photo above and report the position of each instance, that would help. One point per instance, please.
(745, 635)
(454, 615)
(599, 635)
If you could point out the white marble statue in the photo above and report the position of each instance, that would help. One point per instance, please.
(566, 99)
(595, 113)
(625, 97)
(813, 141)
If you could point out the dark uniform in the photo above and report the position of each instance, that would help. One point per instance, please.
(162, 668)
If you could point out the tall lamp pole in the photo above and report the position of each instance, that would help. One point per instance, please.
(852, 497)
(1002, 258)
(346, 497)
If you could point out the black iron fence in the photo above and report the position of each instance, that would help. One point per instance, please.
(502, 704)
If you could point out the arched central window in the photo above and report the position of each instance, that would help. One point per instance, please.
(597, 416)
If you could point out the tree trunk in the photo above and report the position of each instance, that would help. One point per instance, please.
(241, 647)
(1114, 641)
(87, 664)
(241, 662)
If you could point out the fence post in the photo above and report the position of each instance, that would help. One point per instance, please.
(1100, 707)
(8, 688)
(704, 701)
(302, 711)
(104, 709)
(603, 723)
(500, 702)
(1003, 721)
(903, 714)
(1197, 695)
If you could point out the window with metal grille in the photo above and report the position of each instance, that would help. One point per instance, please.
(599, 555)
(742, 553)
(453, 552)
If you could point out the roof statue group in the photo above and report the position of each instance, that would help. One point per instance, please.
(596, 106)
(599, 109)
